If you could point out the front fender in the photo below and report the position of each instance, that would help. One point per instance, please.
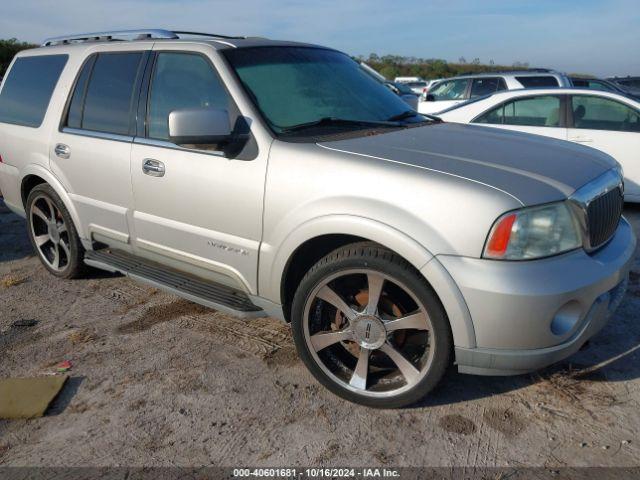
(274, 259)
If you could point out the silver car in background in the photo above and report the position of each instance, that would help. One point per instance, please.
(263, 177)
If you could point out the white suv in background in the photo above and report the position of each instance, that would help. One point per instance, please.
(455, 90)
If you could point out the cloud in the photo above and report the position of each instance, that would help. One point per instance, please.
(593, 36)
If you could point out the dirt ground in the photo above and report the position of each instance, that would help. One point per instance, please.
(157, 380)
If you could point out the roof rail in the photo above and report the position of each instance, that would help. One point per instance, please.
(213, 35)
(108, 36)
(149, 34)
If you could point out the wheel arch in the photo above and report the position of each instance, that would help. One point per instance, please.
(34, 175)
(281, 269)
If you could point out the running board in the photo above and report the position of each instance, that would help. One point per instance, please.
(219, 297)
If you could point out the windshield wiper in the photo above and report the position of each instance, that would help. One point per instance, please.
(329, 121)
(403, 115)
(410, 114)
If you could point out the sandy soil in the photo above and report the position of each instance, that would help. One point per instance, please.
(157, 380)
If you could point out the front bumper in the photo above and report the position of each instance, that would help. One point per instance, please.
(527, 315)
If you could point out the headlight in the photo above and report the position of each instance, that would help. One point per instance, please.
(533, 232)
(620, 171)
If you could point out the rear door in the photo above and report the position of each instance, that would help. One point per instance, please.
(537, 114)
(203, 213)
(90, 154)
(610, 126)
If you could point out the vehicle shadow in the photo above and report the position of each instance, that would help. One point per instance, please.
(13, 236)
(611, 356)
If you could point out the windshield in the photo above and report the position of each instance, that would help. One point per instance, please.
(304, 86)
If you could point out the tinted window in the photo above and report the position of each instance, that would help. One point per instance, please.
(27, 91)
(542, 111)
(74, 117)
(538, 82)
(298, 85)
(635, 83)
(182, 80)
(591, 84)
(110, 93)
(486, 86)
(449, 90)
(598, 113)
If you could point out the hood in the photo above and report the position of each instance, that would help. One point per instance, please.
(531, 168)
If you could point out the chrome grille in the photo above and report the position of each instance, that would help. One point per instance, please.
(603, 216)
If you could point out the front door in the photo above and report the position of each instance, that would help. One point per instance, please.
(196, 210)
(537, 114)
(612, 127)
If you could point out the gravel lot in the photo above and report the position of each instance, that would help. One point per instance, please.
(160, 381)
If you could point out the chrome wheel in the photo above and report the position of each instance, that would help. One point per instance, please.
(50, 233)
(368, 332)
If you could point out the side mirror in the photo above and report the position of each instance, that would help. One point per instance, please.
(199, 126)
(430, 98)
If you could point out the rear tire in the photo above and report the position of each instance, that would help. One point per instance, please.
(369, 327)
(53, 234)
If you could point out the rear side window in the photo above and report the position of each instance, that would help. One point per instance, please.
(487, 86)
(109, 94)
(74, 119)
(541, 81)
(597, 113)
(27, 90)
(542, 111)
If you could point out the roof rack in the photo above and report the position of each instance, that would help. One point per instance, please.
(130, 35)
(212, 35)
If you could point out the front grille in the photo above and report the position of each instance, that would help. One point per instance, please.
(603, 216)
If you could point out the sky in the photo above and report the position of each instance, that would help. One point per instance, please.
(599, 37)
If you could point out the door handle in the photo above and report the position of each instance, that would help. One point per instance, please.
(62, 150)
(153, 167)
(581, 139)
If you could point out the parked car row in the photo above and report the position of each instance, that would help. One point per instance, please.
(604, 120)
(452, 91)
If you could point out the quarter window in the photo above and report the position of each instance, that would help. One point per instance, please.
(487, 86)
(597, 113)
(542, 111)
(109, 96)
(182, 80)
(28, 88)
(449, 90)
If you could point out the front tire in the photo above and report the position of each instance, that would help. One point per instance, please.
(369, 327)
(53, 234)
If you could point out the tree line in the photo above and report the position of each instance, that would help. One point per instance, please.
(390, 66)
(8, 49)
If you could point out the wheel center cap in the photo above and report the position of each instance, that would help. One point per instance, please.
(53, 231)
(369, 332)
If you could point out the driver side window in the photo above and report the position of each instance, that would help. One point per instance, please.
(181, 80)
(449, 90)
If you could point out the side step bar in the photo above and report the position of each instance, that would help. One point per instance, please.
(219, 297)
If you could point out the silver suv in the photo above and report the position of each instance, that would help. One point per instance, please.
(263, 177)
